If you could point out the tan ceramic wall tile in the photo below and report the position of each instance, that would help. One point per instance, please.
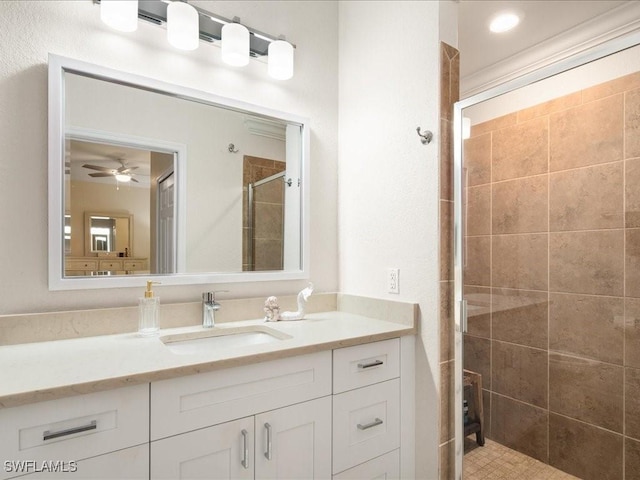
(521, 150)
(487, 405)
(446, 160)
(520, 426)
(520, 206)
(588, 326)
(494, 124)
(478, 261)
(520, 316)
(478, 211)
(478, 311)
(632, 193)
(584, 451)
(520, 373)
(632, 263)
(520, 261)
(612, 87)
(632, 332)
(552, 106)
(446, 240)
(447, 429)
(587, 262)
(632, 402)
(586, 198)
(477, 160)
(446, 321)
(632, 124)
(631, 459)
(586, 390)
(587, 135)
(477, 357)
(447, 459)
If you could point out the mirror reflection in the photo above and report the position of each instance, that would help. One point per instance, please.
(205, 188)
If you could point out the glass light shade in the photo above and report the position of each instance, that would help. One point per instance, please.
(122, 177)
(235, 44)
(120, 14)
(183, 26)
(280, 64)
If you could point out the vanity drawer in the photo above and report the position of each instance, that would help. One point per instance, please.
(83, 265)
(386, 466)
(362, 365)
(184, 404)
(75, 428)
(135, 265)
(113, 265)
(366, 424)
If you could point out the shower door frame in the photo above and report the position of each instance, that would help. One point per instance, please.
(460, 311)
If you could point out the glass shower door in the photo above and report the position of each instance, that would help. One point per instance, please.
(547, 266)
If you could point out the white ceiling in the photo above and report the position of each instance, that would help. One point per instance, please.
(542, 23)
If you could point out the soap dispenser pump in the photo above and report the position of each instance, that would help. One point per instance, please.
(149, 311)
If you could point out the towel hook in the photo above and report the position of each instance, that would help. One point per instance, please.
(232, 148)
(425, 137)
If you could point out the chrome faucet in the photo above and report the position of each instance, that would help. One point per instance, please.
(209, 307)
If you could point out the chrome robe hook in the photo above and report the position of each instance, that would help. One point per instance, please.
(425, 137)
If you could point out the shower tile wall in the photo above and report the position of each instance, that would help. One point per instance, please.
(449, 93)
(553, 278)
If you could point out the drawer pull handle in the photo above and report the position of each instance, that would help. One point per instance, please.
(375, 363)
(268, 452)
(245, 450)
(48, 435)
(375, 423)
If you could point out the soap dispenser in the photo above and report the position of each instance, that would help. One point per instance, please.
(149, 311)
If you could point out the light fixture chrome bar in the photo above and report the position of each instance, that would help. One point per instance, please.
(210, 25)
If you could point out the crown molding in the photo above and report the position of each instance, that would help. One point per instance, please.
(616, 23)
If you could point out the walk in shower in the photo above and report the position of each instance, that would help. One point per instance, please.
(547, 263)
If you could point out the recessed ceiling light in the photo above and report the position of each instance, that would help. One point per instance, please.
(503, 22)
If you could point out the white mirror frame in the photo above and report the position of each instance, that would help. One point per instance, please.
(58, 65)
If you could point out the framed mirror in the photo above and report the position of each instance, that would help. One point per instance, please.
(216, 190)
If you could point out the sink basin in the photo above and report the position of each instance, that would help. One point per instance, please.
(221, 338)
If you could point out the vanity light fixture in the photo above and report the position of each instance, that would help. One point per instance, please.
(182, 26)
(235, 44)
(280, 64)
(120, 14)
(187, 25)
(503, 22)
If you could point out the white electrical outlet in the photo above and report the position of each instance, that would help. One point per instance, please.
(393, 280)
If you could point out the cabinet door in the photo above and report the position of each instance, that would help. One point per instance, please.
(220, 452)
(295, 442)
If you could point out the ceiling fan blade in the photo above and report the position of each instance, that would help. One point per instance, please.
(125, 169)
(105, 174)
(96, 167)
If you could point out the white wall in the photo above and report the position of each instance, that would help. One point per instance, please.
(32, 29)
(388, 181)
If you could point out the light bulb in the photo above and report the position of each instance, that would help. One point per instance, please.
(280, 64)
(183, 26)
(235, 44)
(120, 14)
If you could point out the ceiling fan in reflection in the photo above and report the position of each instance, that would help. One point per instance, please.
(123, 174)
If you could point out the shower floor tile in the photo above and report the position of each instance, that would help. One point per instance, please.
(495, 461)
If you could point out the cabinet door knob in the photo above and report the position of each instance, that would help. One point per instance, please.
(245, 449)
(268, 452)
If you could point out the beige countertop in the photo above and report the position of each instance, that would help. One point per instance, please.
(33, 372)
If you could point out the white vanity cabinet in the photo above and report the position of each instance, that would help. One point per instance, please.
(75, 433)
(366, 411)
(267, 420)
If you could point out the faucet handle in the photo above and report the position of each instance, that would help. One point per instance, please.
(210, 297)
